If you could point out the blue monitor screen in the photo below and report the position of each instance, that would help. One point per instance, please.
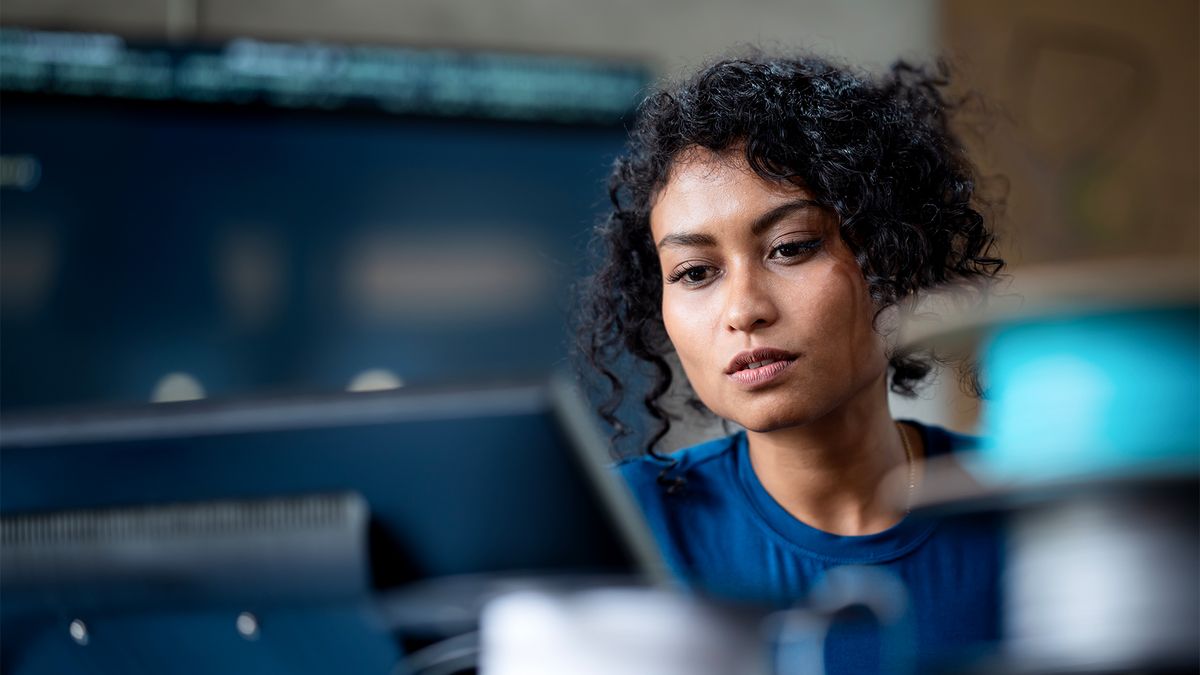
(255, 243)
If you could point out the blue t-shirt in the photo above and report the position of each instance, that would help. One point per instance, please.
(722, 533)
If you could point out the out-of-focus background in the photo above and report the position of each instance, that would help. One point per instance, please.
(218, 217)
(234, 199)
(228, 199)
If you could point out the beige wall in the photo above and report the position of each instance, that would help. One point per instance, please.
(1094, 123)
(669, 33)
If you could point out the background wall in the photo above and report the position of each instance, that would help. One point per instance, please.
(668, 33)
(1087, 135)
(1094, 111)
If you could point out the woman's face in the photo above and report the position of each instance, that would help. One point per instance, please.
(763, 301)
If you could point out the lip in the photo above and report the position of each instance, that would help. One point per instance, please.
(755, 377)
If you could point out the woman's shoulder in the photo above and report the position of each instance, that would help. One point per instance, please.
(700, 458)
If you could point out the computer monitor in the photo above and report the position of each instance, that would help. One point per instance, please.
(436, 485)
(226, 215)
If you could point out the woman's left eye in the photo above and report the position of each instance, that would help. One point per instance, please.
(795, 249)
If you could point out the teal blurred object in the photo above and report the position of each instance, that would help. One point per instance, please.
(1100, 394)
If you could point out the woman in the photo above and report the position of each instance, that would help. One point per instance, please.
(771, 217)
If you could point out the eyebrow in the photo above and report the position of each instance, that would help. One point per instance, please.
(760, 225)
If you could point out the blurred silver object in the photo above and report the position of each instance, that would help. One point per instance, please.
(1092, 451)
(1105, 578)
(613, 631)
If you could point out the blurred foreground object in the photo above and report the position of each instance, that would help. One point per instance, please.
(324, 534)
(659, 631)
(613, 631)
(311, 547)
(1092, 450)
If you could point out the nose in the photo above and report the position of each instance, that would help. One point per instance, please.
(749, 305)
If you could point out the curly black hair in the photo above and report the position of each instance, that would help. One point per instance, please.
(876, 150)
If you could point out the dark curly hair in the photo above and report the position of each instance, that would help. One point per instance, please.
(877, 151)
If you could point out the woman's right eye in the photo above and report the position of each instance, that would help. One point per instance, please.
(692, 275)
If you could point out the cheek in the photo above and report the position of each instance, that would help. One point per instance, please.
(689, 328)
(842, 314)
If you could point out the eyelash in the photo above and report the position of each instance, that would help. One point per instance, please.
(803, 248)
(681, 272)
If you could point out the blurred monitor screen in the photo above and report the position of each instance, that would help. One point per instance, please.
(457, 481)
(259, 217)
(464, 489)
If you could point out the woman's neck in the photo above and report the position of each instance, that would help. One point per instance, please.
(827, 473)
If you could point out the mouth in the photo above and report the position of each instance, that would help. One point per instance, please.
(759, 366)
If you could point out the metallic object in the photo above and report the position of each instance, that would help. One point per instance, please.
(1092, 453)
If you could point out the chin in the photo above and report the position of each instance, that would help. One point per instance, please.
(763, 426)
(766, 417)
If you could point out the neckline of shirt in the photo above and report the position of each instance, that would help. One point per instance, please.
(889, 544)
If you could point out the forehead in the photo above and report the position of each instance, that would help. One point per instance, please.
(705, 188)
